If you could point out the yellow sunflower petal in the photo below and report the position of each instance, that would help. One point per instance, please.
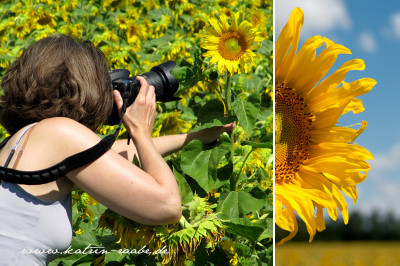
(355, 105)
(216, 26)
(320, 218)
(307, 69)
(232, 45)
(286, 45)
(316, 161)
(332, 82)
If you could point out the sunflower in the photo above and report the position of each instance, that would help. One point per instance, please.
(135, 32)
(83, 202)
(71, 4)
(230, 45)
(315, 159)
(150, 5)
(172, 123)
(45, 18)
(258, 18)
(122, 21)
(226, 11)
(21, 31)
(73, 30)
(180, 239)
(111, 5)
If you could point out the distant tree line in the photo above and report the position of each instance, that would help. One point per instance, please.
(361, 227)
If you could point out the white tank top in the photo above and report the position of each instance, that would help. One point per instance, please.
(32, 231)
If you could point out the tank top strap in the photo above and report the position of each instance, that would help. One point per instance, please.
(14, 148)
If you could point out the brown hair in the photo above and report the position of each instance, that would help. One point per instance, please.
(57, 77)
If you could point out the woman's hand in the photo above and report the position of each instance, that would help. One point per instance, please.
(209, 135)
(139, 117)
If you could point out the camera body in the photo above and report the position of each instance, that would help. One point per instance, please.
(160, 77)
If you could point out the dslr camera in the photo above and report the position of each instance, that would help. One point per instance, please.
(160, 77)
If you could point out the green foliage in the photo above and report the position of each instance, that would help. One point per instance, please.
(226, 187)
(247, 110)
(201, 163)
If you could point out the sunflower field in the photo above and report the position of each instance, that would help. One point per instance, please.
(223, 51)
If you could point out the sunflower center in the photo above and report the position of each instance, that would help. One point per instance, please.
(232, 45)
(44, 19)
(293, 127)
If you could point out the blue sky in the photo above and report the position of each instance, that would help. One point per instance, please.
(371, 30)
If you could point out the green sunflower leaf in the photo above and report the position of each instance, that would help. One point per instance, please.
(202, 231)
(187, 78)
(186, 234)
(114, 256)
(255, 145)
(87, 239)
(184, 188)
(242, 249)
(210, 225)
(211, 109)
(239, 203)
(247, 110)
(75, 259)
(212, 114)
(245, 228)
(201, 163)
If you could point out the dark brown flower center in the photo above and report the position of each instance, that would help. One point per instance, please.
(232, 46)
(292, 132)
(44, 18)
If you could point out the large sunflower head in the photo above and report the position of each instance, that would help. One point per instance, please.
(316, 160)
(230, 45)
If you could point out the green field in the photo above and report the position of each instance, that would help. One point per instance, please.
(338, 253)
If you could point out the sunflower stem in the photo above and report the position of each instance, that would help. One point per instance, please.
(217, 88)
(235, 178)
(231, 135)
(228, 95)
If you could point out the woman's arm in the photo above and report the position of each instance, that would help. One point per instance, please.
(149, 195)
(172, 143)
(166, 145)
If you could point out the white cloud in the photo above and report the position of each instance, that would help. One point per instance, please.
(395, 25)
(381, 195)
(381, 188)
(367, 42)
(321, 16)
(387, 161)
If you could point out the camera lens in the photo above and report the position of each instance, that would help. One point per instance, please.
(160, 77)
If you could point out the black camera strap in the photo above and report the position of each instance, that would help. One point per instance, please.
(62, 168)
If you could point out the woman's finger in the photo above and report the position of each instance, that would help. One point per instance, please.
(118, 99)
(230, 125)
(227, 127)
(151, 93)
(144, 86)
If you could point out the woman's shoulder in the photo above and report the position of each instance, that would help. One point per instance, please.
(60, 137)
(61, 125)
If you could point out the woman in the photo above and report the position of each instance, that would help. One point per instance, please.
(55, 95)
